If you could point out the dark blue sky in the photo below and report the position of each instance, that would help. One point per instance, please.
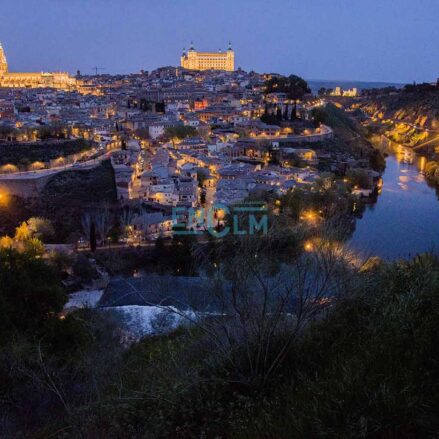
(375, 40)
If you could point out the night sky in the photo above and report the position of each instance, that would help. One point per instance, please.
(370, 40)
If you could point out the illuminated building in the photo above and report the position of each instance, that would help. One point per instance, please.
(200, 104)
(194, 60)
(338, 91)
(59, 80)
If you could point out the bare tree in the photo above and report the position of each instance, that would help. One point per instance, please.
(86, 221)
(102, 219)
(256, 315)
(125, 217)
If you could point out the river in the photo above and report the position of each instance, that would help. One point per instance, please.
(404, 221)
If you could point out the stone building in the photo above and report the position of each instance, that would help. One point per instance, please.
(194, 60)
(59, 80)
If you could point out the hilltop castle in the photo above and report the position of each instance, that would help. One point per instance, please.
(61, 80)
(194, 60)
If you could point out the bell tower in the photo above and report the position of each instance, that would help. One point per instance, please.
(3, 62)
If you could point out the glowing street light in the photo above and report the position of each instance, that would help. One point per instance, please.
(308, 246)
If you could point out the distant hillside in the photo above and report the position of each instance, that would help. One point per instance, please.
(410, 118)
(419, 108)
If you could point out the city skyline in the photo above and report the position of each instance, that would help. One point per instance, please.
(316, 40)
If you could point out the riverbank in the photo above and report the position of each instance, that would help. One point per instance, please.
(403, 221)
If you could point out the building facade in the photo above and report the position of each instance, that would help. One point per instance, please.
(59, 80)
(351, 92)
(194, 60)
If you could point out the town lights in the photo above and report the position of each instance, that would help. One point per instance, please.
(308, 246)
(309, 216)
(3, 199)
(220, 214)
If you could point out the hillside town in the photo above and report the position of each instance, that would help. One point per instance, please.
(234, 237)
(176, 137)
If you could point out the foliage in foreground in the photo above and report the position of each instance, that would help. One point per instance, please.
(366, 367)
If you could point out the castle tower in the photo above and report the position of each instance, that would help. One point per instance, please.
(3, 62)
(230, 59)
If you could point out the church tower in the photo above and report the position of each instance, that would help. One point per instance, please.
(3, 62)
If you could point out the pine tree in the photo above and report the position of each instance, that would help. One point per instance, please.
(279, 114)
(293, 112)
(159, 253)
(93, 237)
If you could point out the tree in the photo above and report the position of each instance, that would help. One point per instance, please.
(125, 218)
(377, 160)
(93, 237)
(36, 166)
(143, 133)
(23, 232)
(160, 253)
(201, 177)
(8, 169)
(294, 112)
(6, 132)
(182, 247)
(29, 292)
(269, 119)
(86, 224)
(279, 114)
(83, 268)
(180, 132)
(102, 219)
(359, 177)
(294, 86)
(41, 228)
(203, 197)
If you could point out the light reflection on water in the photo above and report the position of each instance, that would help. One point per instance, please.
(405, 219)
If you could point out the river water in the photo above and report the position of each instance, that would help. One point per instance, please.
(404, 221)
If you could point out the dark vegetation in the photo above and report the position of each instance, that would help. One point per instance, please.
(42, 132)
(432, 172)
(349, 135)
(294, 86)
(364, 364)
(24, 154)
(273, 114)
(295, 89)
(180, 132)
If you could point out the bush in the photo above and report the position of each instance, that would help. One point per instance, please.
(29, 292)
(84, 269)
